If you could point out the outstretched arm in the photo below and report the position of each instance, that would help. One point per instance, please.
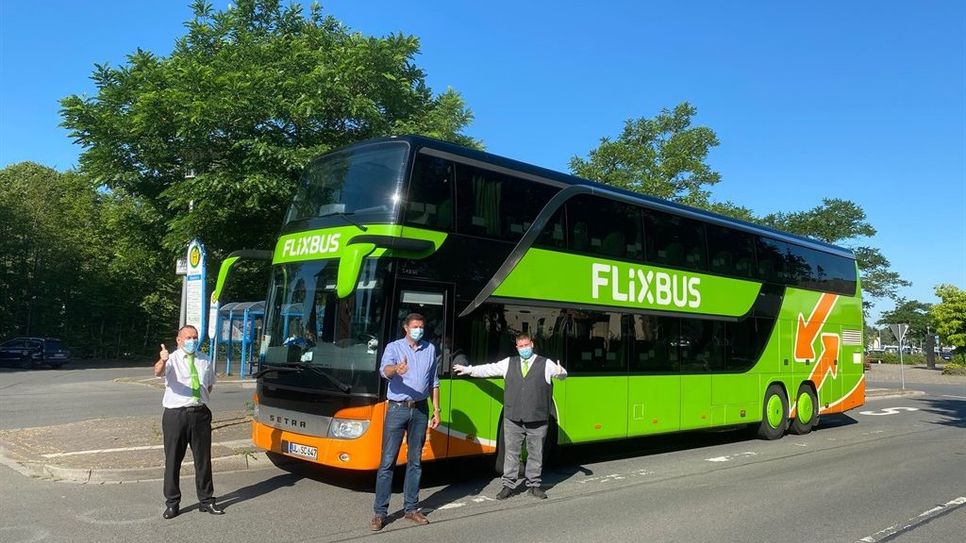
(496, 369)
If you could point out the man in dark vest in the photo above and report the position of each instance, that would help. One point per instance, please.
(526, 410)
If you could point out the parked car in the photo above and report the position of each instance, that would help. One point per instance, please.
(27, 352)
(948, 355)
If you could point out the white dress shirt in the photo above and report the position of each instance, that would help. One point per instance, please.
(177, 379)
(552, 370)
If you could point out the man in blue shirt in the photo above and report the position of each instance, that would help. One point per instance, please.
(410, 366)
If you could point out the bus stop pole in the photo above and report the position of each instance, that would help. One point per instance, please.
(244, 344)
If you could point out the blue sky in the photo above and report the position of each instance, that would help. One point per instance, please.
(862, 100)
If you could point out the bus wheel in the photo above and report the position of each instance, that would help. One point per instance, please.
(774, 417)
(807, 411)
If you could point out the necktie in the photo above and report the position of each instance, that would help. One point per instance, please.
(525, 366)
(195, 382)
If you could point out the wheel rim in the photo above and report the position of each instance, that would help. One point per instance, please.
(806, 409)
(775, 411)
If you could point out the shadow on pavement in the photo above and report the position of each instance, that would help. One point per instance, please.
(836, 420)
(953, 410)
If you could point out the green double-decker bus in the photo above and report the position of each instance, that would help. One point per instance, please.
(667, 318)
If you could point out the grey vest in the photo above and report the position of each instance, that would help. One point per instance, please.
(527, 399)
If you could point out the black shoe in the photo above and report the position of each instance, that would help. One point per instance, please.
(171, 512)
(211, 508)
(505, 493)
(538, 493)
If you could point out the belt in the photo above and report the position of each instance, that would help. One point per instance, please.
(408, 403)
(189, 408)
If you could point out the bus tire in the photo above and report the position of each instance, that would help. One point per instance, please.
(774, 413)
(806, 411)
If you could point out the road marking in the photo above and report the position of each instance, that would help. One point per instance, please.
(888, 411)
(616, 476)
(474, 499)
(911, 524)
(229, 444)
(729, 458)
(952, 396)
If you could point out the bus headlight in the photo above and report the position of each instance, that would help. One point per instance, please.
(347, 429)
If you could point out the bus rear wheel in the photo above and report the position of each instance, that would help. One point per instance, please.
(774, 416)
(806, 411)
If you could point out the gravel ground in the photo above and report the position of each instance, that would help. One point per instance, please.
(890, 373)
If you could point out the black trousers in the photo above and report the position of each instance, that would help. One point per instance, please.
(182, 426)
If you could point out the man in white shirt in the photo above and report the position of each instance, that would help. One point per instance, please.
(528, 393)
(188, 378)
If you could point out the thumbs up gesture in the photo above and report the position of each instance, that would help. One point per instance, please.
(164, 353)
(402, 367)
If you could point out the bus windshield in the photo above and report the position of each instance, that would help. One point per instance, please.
(364, 181)
(331, 342)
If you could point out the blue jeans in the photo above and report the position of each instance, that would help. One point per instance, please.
(400, 420)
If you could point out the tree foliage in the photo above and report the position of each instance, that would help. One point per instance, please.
(911, 312)
(664, 157)
(71, 263)
(949, 316)
(244, 100)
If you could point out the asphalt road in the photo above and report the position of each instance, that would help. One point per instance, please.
(79, 391)
(891, 471)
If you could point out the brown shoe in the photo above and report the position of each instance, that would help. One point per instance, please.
(417, 517)
(377, 523)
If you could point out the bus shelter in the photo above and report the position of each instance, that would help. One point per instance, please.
(238, 326)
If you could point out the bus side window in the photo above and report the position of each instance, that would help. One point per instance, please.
(605, 227)
(430, 200)
(496, 205)
(675, 241)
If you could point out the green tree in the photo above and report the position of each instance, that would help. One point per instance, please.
(244, 100)
(911, 312)
(949, 316)
(664, 157)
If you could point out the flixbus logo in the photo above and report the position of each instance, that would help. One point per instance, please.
(311, 245)
(644, 286)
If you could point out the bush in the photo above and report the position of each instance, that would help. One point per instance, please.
(893, 358)
(954, 368)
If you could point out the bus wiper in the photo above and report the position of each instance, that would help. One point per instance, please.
(345, 216)
(299, 366)
(279, 369)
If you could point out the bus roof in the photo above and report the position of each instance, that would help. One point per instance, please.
(561, 179)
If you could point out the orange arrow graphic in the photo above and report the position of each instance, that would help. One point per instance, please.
(808, 330)
(827, 362)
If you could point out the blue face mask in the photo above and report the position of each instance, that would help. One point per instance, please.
(190, 345)
(416, 333)
(525, 352)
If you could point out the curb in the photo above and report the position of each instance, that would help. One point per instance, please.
(240, 461)
(894, 393)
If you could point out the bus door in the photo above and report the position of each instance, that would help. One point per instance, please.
(432, 301)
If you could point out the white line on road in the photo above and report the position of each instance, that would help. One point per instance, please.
(952, 396)
(229, 444)
(912, 523)
(731, 457)
(888, 411)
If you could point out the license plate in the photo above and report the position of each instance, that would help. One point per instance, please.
(300, 450)
(58, 355)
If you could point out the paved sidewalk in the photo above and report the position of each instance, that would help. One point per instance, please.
(121, 449)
